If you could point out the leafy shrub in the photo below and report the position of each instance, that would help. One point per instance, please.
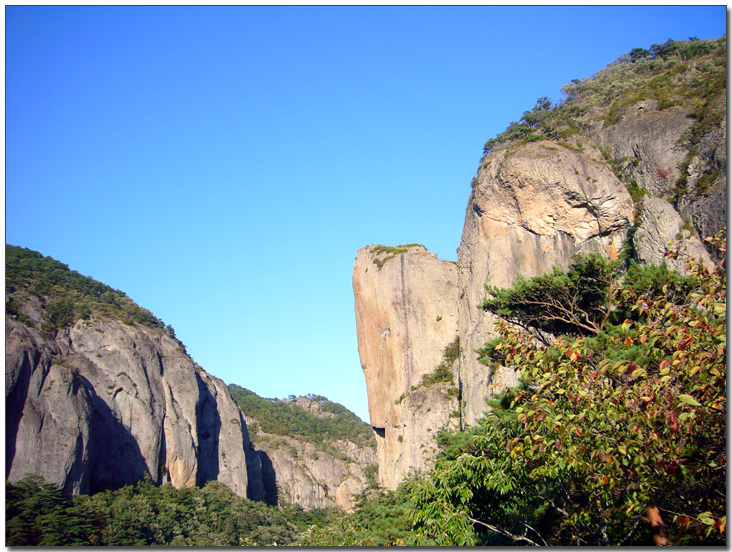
(608, 432)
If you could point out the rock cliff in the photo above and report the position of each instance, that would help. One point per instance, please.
(531, 209)
(101, 403)
(625, 175)
(99, 392)
(406, 315)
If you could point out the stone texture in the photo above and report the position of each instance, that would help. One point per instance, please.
(654, 141)
(661, 225)
(406, 314)
(305, 475)
(649, 137)
(102, 403)
(532, 208)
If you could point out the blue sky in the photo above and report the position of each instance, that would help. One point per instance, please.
(223, 165)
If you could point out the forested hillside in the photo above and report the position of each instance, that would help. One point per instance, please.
(64, 295)
(37, 514)
(287, 417)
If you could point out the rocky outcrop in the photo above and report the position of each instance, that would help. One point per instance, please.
(659, 225)
(406, 315)
(101, 403)
(656, 154)
(532, 207)
(304, 474)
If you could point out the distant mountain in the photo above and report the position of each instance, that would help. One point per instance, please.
(322, 454)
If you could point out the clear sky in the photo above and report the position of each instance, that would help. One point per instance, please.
(222, 165)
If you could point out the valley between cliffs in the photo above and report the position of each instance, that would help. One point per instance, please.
(100, 394)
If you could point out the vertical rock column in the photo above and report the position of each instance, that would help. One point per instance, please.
(406, 314)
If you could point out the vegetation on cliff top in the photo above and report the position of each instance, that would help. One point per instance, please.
(690, 73)
(390, 252)
(285, 417)
(65, 296)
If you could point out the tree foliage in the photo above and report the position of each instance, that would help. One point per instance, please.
(147, 515)
(379, 519)
(65, 295)
(575, 301)
(613, 438)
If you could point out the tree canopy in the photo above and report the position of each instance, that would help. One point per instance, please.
(614, 437)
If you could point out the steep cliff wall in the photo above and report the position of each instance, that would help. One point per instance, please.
(609, 174)
(100, 403)
(406, 315)
(531, 209)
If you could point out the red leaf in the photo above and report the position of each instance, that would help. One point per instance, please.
(686, 343)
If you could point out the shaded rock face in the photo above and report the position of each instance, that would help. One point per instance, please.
(406, 314)
(532, 207)
(659, 223)
(657, 156)
(102, 403)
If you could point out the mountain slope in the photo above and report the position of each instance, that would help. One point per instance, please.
(321, 454)
(99, 393)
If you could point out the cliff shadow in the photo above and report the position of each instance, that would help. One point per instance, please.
(16, 395)
(115, 456)
(208, 426)
(268, 478)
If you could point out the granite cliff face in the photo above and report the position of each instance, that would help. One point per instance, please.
(406, 315)
(631, 178)
(531, 209)
(100, 393)
(101, 403)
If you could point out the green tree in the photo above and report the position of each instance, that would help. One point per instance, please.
(614, 438)
(576, 301)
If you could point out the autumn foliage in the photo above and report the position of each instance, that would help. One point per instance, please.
(615, 437)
